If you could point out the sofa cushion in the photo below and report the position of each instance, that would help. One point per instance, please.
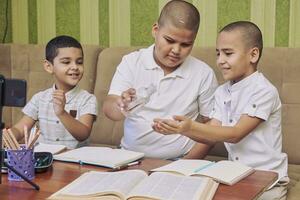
(106, 131)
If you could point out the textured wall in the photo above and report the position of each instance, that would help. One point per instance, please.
(128, 22)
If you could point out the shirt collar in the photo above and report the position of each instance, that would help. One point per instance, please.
(150, 64)
(244, 82)
(70, 94)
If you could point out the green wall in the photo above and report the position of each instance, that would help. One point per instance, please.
(128, 22)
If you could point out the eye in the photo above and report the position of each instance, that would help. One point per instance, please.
(228, 53)
(66, 62)
(170, 41)
(79, 62)
(186, 45)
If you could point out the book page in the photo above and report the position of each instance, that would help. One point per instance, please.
(227, 172)
(185, 167)
(102, 156)
(160, 185)
(52, 148)
(94, 183)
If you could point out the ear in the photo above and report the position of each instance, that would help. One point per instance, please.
(48, 66)
(254, 55)
(154, 29)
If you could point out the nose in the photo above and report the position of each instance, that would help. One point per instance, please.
(176, 49)
(220, 59)
(74, 66)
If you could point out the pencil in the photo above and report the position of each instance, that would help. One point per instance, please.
(6, 142)
(36, 136)
(26, 136)
(13, 138)
(9, 140)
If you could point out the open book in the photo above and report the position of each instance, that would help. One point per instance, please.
(101, 156)
(136, 185)
(52, 148)
(226, 172)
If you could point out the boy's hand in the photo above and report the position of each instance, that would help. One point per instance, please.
(179, 125)
(59, 101)
(126, 97)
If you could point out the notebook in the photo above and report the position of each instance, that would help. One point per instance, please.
(101, 156)
(225, 171)
(52, 148)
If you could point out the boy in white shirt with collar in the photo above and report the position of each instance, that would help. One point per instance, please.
(65, 113)
(183, 84)
(247, 111)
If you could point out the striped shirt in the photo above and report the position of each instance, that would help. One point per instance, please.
(40, 108)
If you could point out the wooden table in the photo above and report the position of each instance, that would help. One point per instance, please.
(62, 173)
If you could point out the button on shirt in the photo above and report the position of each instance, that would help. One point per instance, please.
(186, 91)
(256, 97)
(40, 108)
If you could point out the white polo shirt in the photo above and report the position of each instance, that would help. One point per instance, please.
(256, 97)
(186, 91)
(78, 102)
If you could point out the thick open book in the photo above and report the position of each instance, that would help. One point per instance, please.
(136, 185)
(101, 156)
(226, 172)
(52, 148)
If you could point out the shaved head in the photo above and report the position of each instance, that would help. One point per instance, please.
(180, 14)
(251, 34)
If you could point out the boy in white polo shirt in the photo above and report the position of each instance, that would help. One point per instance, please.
(183, 84)
(247, 111)
(65, 113)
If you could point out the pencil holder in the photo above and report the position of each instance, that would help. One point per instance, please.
(21, 160)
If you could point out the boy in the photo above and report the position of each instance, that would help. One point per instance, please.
(183, 84)
(64, 112)
(247, 111)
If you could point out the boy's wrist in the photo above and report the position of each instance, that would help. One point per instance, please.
(61, 114)
(191, 128)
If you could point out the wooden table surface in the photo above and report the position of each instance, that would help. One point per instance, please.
(62, 173)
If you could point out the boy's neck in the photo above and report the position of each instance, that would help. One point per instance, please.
(63, 89)
(236, 81)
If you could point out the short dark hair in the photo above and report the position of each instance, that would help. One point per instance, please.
(61, 41)
(252, 36)
(181, 14)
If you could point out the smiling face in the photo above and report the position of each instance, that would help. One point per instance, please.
(67, 68)
(172, 46)
(235, 60)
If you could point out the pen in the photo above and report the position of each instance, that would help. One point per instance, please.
(126, 166)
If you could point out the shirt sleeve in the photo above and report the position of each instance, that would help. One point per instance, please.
(206, 95)
(122, 79)
(262, 103)
(90, 106)
(31, 109)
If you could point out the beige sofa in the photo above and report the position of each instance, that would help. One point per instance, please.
(280, 65)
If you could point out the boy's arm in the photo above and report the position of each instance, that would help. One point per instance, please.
(244, 126)
(201, 132)
(115, 107)
(18, 128)
(111, 108)
(80, 129)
